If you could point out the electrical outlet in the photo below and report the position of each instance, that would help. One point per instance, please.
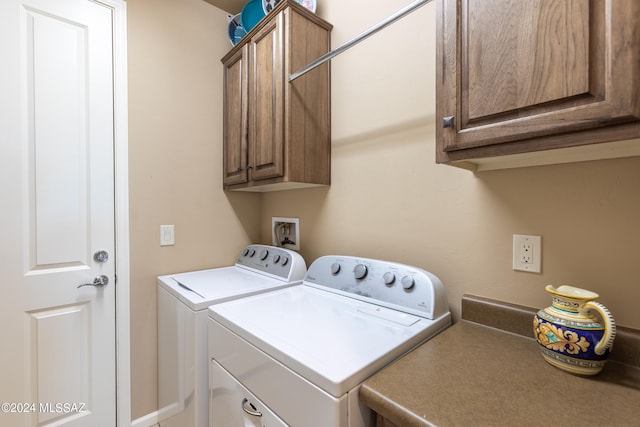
(526, 250)
(285, 232)
(527, 253)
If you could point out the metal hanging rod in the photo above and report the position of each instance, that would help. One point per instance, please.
(357, 39)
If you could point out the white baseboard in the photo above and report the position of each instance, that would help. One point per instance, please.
(149, 420)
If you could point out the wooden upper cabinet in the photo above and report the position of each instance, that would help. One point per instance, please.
(277, 134)
(266, 116)
(235, 118)
(518, 77)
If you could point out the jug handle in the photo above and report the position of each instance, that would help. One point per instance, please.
(609, 327)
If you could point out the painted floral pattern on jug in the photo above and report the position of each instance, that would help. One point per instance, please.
(555, 338)
(570, 337)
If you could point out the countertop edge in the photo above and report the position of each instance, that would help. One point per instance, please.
(392, 392)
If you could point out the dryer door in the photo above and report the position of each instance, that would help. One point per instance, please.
(233, 405)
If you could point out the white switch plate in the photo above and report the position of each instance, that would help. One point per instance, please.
(166, 235)
(527, 253)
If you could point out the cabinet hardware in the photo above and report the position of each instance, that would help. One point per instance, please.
(448, 122)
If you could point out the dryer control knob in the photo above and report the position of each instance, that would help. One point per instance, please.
(245, 252)
(252, 252)
(264, 254)
(360, 271)
(276, 258)
(285, 261)
(335, 268)
(408, 282)
(388, 278)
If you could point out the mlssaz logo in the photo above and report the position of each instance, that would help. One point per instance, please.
(62, 408)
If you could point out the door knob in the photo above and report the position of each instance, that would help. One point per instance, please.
(101, 256)
(98, 281)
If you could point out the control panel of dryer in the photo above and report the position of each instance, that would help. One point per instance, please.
(280, 263)
(402, 287)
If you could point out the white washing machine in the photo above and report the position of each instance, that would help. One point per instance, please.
(183, 300)
(297, 356)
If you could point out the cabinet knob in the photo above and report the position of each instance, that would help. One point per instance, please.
(448, 122)
(239, 170)
(249, 168)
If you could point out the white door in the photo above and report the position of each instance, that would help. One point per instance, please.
(58, 358)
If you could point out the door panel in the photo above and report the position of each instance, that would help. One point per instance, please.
(58, 166)
(503, 77)
(235, 118)
(57, 144)
(266, 144)
(60, 359)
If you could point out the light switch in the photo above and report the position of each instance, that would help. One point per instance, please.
(166, 235)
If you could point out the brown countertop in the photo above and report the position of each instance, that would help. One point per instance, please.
(478, 375)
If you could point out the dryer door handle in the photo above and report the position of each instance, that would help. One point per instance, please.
(249, 408)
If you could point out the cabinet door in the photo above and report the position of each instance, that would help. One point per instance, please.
(518, 71)
(266, 110)
(235, 118)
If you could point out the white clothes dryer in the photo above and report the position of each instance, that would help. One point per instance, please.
(183, 300)
(297, 356)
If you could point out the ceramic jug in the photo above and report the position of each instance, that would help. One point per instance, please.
(570, 336)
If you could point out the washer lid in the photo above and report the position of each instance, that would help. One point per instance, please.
(199, 289)
(333, 341)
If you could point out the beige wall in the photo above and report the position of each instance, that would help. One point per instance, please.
(175, 155)
(388, 198)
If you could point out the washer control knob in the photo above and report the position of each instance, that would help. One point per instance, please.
(388, 278)
(264, 254)
(285, 261)
(276, 258)
(335, 268)
(360, 271)
(252, 252)
(245, 252)
(408, 282)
